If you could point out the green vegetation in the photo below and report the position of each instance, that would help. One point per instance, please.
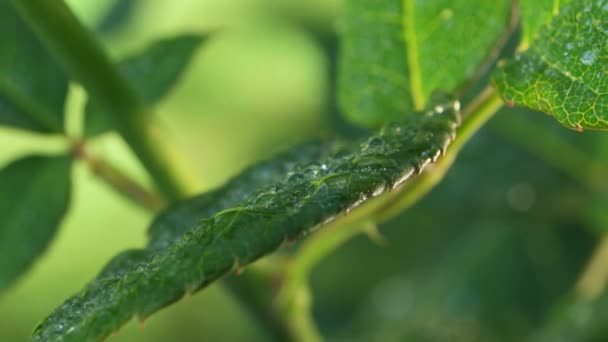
(509, 247)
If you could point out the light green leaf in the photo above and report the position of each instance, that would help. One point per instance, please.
(153, 73)
(563, 73)
(32, 87)
(395, 53)
(202, 239)
(535, 14)
(34, 197)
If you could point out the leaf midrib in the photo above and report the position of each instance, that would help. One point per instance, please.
(413, 62)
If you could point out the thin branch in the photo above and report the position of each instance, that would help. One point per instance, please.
(594, 277)
(117, 180)
(294, 298)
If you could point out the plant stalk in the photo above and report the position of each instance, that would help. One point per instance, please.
(592, 281)
(77, 50)
(117, 180)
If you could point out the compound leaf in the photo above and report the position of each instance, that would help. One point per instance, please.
(563, 72)
(153, 73)
(201, 239)
(34, 197)
(32, 87)
(395, 53)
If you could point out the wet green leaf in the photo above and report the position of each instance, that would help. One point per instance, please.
(396, 53)
(32, 86)
(34, 197)
(202, 239)
(153, 73)
(563, 73)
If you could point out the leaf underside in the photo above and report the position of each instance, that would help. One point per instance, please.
(32, 86)
(396, 53)
(563, 73)
(201, 239)
(34, 197)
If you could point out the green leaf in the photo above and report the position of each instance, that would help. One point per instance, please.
(576, 319)
(32, 87)
(202, 239)
(563, 73)
(535, 14)
(34, 197)
(152, 72)
(395, 53)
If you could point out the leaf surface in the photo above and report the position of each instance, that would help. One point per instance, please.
(395, 53)
(202, 239)
(34, 197)
(563, 73)
(153, 73)
(535, 14)
(32, 87)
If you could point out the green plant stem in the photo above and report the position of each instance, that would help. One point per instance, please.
(117, 180)
(295, 299)
(592, 281)
(85, 59)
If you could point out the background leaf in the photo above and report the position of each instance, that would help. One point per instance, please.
(153, 72)
(34, 197)
(535, 14)
(396, 53)
(32, 86)
(248, 223)
(563, 72)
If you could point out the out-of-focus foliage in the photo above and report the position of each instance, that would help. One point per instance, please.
(153, 73)
(32, 87)
(34, 198)
(396, 53)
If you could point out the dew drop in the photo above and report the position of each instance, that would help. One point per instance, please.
(295, 177)
(589, 57)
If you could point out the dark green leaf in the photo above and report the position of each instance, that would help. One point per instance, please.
(153, 73)
(396, 53)
(202, 239)
(32, 86)
(563, 73)
(117, 16)
(34, 197)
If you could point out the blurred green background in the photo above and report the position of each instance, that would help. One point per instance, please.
(492, 254)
